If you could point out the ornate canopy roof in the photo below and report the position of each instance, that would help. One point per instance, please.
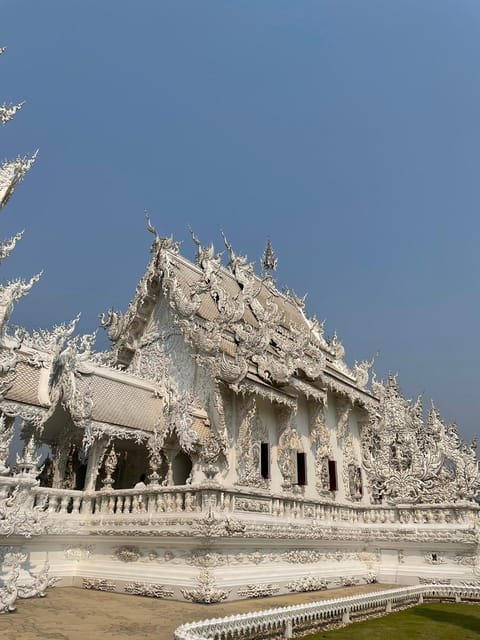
(241, 327)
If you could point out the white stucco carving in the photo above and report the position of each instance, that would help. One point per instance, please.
(410, 460)
(209, 362)
(8, 111)
(206, 590)
(11, 174)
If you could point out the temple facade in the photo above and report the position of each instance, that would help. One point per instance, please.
(222, 447)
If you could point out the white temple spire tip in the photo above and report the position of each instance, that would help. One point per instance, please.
(269, 259)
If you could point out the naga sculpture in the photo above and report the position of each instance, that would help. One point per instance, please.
(10, 294)
(9, 592)
(408, 460)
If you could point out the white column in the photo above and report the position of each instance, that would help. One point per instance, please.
(95, 457)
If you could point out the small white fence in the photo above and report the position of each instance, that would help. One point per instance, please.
(281, 622)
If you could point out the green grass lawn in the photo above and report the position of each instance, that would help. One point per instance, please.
(434, 621)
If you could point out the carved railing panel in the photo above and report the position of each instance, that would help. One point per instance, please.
(205, 500)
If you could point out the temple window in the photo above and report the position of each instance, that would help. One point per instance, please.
(332, 475)
(265, 460)
(301, 469)
(182, 467)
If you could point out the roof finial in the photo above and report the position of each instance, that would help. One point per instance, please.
(160, 242)
(150, 226)
(269, 259)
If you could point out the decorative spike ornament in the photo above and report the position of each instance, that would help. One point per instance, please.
(27, 463)
(269, 259)
(8, 111)
(10, 294)
(11, 174)
(8, 246)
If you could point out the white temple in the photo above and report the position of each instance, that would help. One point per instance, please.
(222, 448)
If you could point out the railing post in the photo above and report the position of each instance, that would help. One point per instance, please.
(77, 501)
(288, 631)
(179, 501)
(52, 504)
(64, 502)
(346, 616)
(41, 500)
(227, 502)
(86, 505)
(135, 504)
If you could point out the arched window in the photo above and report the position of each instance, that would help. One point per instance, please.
(182, 467)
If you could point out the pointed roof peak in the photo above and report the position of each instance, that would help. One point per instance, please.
(269, 259)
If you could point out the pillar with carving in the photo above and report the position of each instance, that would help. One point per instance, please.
(110, 466)
(96, 454)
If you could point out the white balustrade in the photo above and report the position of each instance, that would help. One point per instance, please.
(192, 499)
(282, 621)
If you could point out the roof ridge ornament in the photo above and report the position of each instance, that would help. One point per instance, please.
(8, 111)
(7, 246)
(269, 260)
(51, 340)
(361, 371)
(237, 261)
(150, 226)
(10, 294)
(161, 242)
(336, 346)
(206, 258)
(11, 173)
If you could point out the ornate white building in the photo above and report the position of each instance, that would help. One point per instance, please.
(271, 465)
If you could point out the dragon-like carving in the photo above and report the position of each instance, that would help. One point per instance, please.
(7, 246)
(51, 341)
(114, 322)
(178, 420)
(409, 460)
(209, 262)
(8, 111)
(361, 371)
(250, 326)
(8, 364)
(12, 293)
(67, 367)
(16, 517)
(9, 591)
(11, 174)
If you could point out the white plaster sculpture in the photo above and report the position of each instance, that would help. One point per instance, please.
(266, 451)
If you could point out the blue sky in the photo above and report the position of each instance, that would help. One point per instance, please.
(346, 132)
